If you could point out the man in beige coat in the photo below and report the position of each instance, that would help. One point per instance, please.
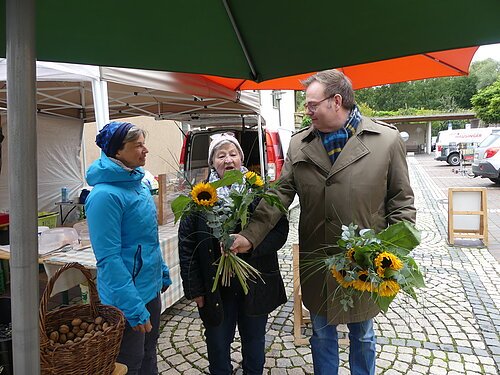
(345, 169)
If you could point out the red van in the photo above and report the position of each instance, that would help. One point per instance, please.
(193, 159)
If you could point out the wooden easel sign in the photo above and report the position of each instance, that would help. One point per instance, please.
(467, 214)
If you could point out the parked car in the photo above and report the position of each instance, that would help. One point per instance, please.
(193, 159)
(486, 162)
(448, 141)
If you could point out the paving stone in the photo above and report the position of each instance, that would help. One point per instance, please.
(437, 362)
(456, 366)
(490, 370)
(436, 370)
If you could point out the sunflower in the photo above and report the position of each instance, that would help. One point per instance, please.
(387, 260)
(339, 276)
(204, 194)
(350, 254)
(362, 283)
(254, 179)
(388, 288)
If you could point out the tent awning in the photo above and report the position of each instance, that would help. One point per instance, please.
(65, 90)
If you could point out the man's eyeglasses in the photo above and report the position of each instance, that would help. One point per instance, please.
(312, 107)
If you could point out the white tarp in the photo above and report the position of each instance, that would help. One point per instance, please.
(59, 164)
(65, 90)
(183, 83)
(48, 71)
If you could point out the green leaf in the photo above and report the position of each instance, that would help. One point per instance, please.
(230, 177)
(402, 234)
(273, 200)
(179, 205)
(384, 302)
(411, 292)
(244, 217)
(390, 273)
(362, 256)
(412, 274)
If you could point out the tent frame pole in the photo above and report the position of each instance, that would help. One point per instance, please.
(262, 150)
(241, 41)
(21, 122)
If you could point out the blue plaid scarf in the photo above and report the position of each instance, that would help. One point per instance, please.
(334, 142)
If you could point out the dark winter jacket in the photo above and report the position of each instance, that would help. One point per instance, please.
(198, 252)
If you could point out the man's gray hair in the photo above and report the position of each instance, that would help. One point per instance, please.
(335, 82)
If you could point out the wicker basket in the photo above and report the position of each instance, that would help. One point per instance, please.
(96, 355)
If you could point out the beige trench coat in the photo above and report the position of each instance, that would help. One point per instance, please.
(368, 185)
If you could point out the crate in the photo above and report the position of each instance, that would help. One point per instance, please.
(47, 219)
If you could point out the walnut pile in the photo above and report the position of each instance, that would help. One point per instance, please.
(78, 331)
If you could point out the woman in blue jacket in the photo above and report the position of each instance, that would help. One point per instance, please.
(124, 234)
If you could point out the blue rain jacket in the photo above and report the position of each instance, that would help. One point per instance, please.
(123, 230)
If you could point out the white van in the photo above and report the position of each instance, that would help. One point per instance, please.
(448, 140)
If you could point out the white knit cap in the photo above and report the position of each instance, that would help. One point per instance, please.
(218, 140)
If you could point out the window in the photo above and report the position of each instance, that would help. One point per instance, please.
(276, 95)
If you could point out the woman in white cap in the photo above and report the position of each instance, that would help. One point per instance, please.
(228, 306)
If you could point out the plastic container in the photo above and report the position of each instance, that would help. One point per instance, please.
(47, 219)
(56, 238)
(83, 232)
(6, 360)
(42, 229)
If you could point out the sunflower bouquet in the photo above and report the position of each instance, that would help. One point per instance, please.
(224, 214)
(376, 263)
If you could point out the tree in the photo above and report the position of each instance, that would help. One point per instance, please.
(486, 103)
(485, 72)
(447, 94)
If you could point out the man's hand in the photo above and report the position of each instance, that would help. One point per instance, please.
(200, 301)
(143, 328)
(240, 244)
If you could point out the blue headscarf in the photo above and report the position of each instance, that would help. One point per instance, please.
(110, 137)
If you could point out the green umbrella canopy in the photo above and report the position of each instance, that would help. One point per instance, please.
(281, 37)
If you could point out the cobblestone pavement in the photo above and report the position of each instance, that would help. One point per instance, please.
(442, 175)
(454, 329)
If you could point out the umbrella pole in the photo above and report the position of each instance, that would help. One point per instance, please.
(21, 117)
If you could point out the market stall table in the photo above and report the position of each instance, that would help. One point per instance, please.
(85, 256)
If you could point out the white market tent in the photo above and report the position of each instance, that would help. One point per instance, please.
(83, 91)
(69, 95)
(70, 99)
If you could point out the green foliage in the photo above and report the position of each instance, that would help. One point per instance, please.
(449, 94)
(485, 72)
(366, 254)
(486, 103)
(306, 121)
(179, 204)
(402, 234)
(300, 99)
(443, 94)
(365, 109)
